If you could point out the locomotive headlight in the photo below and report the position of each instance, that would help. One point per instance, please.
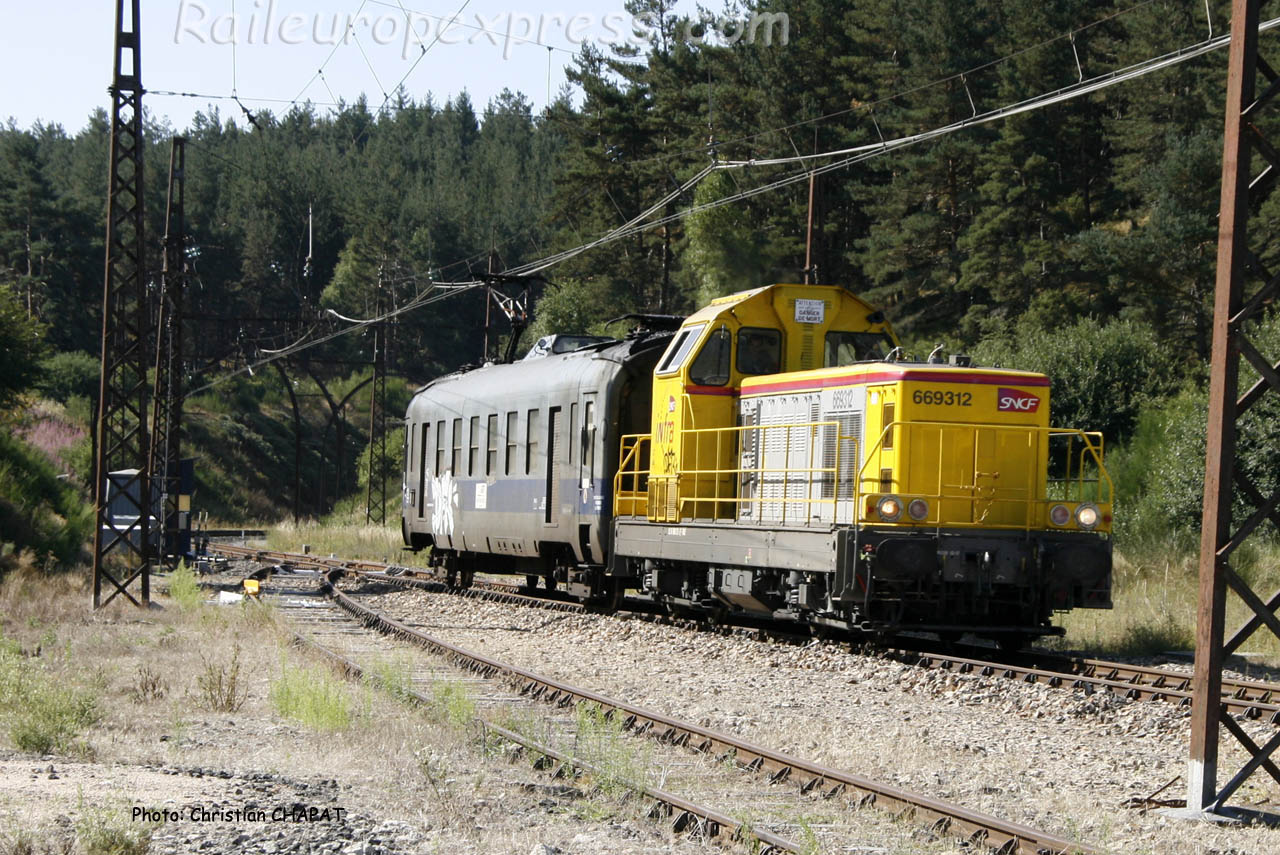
(889, 508)
(1059, 515)
(918, 509)
(1087, 516)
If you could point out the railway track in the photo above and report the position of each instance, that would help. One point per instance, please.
(325, 626)
(324, 629)
(1249, 698)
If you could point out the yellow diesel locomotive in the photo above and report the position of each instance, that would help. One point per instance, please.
(797, 465)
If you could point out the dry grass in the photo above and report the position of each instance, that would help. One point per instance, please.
(1155, 594)
(349, 539)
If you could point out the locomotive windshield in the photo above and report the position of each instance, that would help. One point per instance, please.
(711, 367)
(679, 349)
(846, 348)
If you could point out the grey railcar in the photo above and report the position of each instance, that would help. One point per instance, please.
(509, 467)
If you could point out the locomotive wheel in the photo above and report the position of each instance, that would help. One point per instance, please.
(451, 577)
(608, 597)
(531, 582)
(550, 580)
(468, 576)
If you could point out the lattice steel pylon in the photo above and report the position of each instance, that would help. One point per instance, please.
(124, 511)
(166, 414)
(376, 488)
(1245, 290)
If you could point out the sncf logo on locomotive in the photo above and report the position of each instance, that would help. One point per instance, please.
(1014, 400)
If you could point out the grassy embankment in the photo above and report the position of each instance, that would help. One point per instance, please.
(1155, 594)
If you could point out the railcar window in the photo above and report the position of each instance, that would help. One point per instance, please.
(573, 429)
(439, 448)
(408, 447)
(455, 463)
(846, 348)
(491, 444)
(711, 366)
(511, 443)
(530, 441)
(679, 349)
(473, 450)
(589, 437)
(759, 350)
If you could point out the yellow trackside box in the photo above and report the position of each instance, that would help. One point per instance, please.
(765, 331)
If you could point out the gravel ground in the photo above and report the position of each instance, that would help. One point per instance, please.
(393, 781)
(1050, 758)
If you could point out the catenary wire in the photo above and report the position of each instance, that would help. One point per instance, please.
(853, 155)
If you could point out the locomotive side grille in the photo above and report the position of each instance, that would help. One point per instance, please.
(808, 355)
(850, 454)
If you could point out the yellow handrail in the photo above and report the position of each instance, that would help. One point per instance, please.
(738, 492)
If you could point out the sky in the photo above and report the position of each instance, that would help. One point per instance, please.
(56, 55)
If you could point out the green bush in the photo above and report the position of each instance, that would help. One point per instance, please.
(312, 696)
(1159, 472)
(22, 343)
(42, 715)
(70, 375)
(452, 702)
(1101, 375)
(39, 512)
(105, 831)
(183, 588)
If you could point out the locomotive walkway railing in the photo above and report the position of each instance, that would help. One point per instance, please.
(813, 474)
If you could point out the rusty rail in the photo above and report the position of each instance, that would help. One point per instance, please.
(942, 817)
(1250, 698)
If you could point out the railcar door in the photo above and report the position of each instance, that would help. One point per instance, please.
(588, 500)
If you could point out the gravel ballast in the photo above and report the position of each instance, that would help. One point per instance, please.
(1051, 758)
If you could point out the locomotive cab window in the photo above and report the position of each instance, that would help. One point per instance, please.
(678, 352)
(759, 350)
(846, 348)
(711, 367)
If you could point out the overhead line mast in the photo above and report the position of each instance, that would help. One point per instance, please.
(1244, 292)
(123, 511)
(166, 418)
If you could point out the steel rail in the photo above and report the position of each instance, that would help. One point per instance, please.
(1249, 698)
(942, 817)
(692, 817)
